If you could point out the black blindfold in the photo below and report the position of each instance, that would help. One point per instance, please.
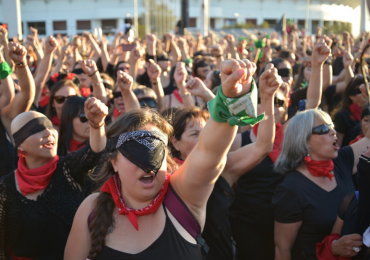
(32, 127)
(285, 72)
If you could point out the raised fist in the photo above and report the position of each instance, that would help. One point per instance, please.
(17, 52)
(320, 52)
(95, 112)
(269, 81)
(124, 81)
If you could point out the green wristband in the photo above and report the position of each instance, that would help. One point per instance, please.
(188, 61)
(236, 111)
(5, 70)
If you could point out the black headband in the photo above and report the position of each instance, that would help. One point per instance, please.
(145, 149)
(32, 127)
(78, 71)
(285, 72)
(201, 64)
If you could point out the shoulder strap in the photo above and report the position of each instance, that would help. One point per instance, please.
(180, 211)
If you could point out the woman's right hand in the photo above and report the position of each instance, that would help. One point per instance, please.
(344, 246)
(269, 81)
(17, 52)
(124, 81)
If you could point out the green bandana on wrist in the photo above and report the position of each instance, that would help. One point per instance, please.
(236, 111)
(5, 70)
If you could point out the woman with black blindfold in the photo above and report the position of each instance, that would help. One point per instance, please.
(39, 200)
(133, 202)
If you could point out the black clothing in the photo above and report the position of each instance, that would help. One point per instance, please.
(169, 245)
(348, 213)
(39, 229)
(332, 99)
(252, 218)
(8, 154)
(300, 199)
(346, 125)
(217, 230)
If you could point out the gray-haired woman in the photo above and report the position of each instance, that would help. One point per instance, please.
(318, 176)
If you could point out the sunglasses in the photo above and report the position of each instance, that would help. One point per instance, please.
(148, 102)
(322, 129)
(83, 118)
(117, 95)
(62, 99)
(78, 71)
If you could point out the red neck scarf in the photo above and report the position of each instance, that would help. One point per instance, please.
(55, 120)
(356, 112)
(116, 113)
(113, 187)
(320, 168)
(85, 92)
(279, 136)
(358, 138)
(178, 161)
(33, 180)
(75, 145)
(177, 95)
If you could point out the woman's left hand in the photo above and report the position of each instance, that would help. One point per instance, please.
(95, 112)
(88, 66)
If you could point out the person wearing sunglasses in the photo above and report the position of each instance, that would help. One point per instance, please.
(348, 114)
(60, 92)
(39, 199)
(318, 175)
(85, 80)
(146, 97)
(74, 129)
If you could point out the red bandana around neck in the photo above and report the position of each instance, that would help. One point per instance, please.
(356, 112)
(55, 120)
(113, 187)
(33, 180)
(320, 168)
(85, 92)
(176, 92)
(178, 161)
(75, 145)
(358, 138)
(279, 136)
(116, 113)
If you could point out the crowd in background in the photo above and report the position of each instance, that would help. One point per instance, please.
(288, 180)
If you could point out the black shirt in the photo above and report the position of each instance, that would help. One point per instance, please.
(217, 230)
(8, 154)
(254, 191)
(169, 245)
(299, 199)
(39, 229)
(344, 124)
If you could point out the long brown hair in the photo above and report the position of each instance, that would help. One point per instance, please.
(103, 211)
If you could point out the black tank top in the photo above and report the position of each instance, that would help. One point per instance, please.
(169, 245)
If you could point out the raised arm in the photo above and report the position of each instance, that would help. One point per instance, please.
(154, 73)
(44, 66)
(4, 42)
(348, 72)
(89, 67)
(104, 53)
(180, 78)
(7, 86)
(197, 88)
(247, 157)
(23, 100)
(231, 42)
(315, 88)
(96, 111)
(195, 179)
(218, 53)
(359, 147)
(125, 82)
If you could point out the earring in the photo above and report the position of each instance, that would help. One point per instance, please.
(21, 153)
(308, 158)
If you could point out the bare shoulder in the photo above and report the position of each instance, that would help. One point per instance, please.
(88, 204)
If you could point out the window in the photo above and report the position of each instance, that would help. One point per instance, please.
(60, 25)
(230, 22)
(192, 22)
(83, 25)
(271, 22)
(251, 21)
(301, 24)
(212, 23)
(40, 26)
(109, 26)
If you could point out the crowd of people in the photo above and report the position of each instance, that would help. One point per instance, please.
(184, 147)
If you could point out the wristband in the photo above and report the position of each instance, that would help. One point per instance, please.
(236, 111)
(5, 70)
(97, 127)
(21, 64)
(188, 61)
(98, 83)
(92, 74)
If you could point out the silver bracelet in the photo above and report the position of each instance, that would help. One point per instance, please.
(363, 157)
(98, 83)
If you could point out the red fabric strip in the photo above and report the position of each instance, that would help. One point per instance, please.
(323, 250)
(177, 95)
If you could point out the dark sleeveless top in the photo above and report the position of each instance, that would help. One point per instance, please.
(169, 245)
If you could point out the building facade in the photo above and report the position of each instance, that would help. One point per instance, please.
(72, 17)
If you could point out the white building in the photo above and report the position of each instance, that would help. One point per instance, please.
(75, 16)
